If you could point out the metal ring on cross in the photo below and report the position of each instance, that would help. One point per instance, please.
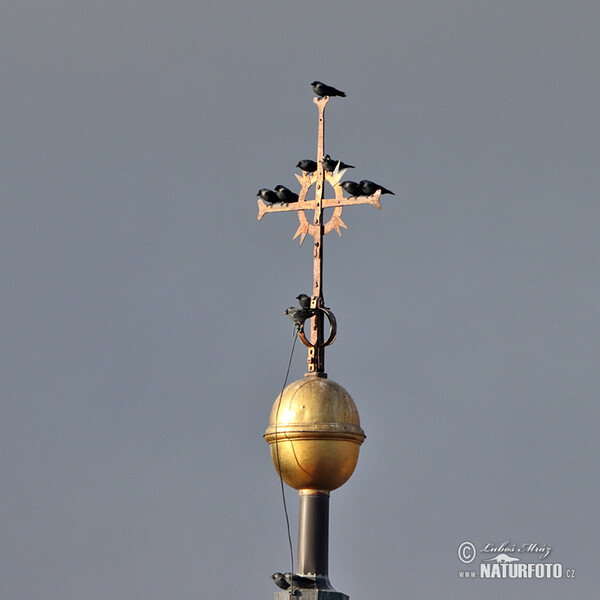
(332, 330)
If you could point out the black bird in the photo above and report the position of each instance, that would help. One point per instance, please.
(329, 164)
(268, 196)
(303, 300)
(280, 581)
(285, 195)
(309, 166)
(299, 315)
(284, 581)
(321, 89)
(369, 188)
(352, 188)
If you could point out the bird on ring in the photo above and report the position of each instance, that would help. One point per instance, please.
(269, 196)
(303, 300)
(307, 165)
(352, 188)
(369, 188)
(329, 164)
(321, 89)
(285, 195)
(299, 315)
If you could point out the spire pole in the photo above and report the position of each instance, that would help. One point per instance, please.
(314, 429)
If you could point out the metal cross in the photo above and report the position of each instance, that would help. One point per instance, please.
(318, 229)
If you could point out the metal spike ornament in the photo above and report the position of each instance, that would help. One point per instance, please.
(318, 230)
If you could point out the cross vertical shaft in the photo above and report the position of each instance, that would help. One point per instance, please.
(316, 353)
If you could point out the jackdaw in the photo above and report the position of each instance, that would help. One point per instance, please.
(309, 166)
(299, 315)
(285, 195)
(329, 164)
(352, 188)
(284, 581)
(321, 89)
(268, 196)
(280, 581)
(303, 300)
(369, 188)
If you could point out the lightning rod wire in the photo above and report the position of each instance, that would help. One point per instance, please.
(285, 510)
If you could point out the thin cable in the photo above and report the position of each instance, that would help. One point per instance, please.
(285, 510)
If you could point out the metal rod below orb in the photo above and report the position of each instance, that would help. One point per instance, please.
(313, 536)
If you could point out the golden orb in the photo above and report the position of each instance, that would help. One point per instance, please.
(314, 434)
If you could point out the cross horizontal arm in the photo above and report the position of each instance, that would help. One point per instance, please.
(313, 204)
(373, 199)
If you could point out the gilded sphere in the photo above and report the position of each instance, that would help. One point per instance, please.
(314, 434)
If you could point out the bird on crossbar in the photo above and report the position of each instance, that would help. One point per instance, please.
(329, 164)
(369, 188)
(352, 188)
(285, 195)
(307, 165)
(269, 196)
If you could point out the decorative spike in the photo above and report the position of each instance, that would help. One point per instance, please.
(337, 223)
(336, 176)
(301, 231)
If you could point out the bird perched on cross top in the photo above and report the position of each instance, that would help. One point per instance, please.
(321, 89)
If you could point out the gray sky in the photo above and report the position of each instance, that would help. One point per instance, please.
(143, 341)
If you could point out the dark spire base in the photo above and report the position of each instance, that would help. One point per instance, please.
(304, 594)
